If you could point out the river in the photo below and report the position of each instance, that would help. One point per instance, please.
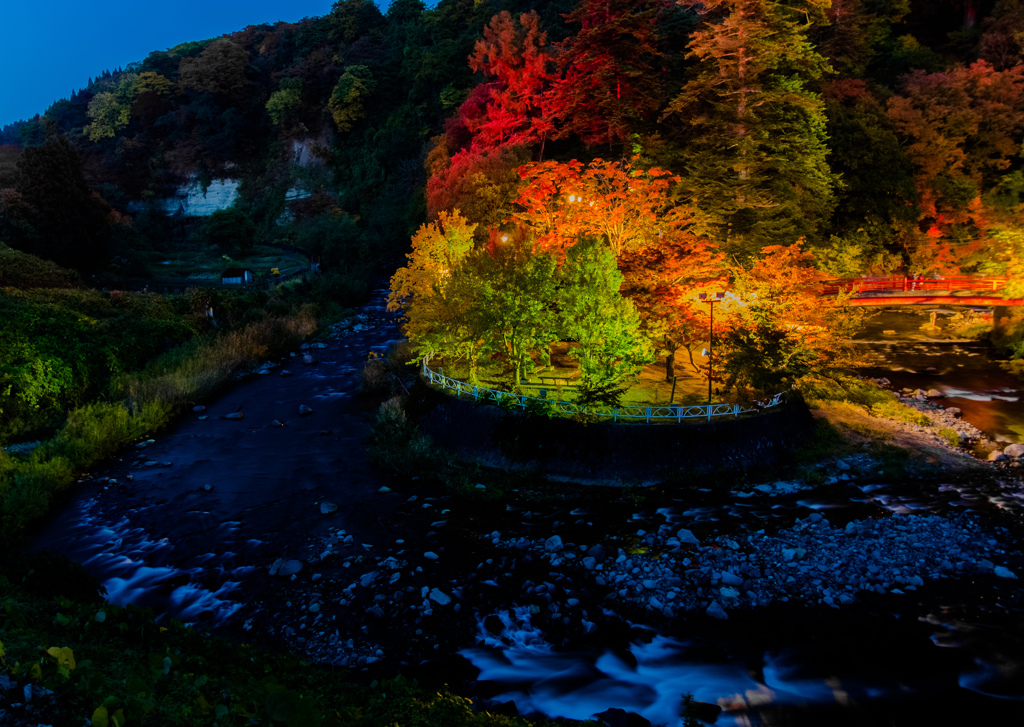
(404, 576)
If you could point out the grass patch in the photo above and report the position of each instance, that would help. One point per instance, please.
(950, 436)
(145, 402)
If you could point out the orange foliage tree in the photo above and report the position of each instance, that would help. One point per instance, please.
(663, 282)
(781, 329)
(626, 208)
(961, 129)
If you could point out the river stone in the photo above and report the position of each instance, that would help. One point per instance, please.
(954, 411)
(598, 552)
(233, 415)
(200, 407)
(687, 538)
(282, 567)
(304, 411)
(553, 544)
(589, 563)
(308, 359)
(934, 394)
(730, 579)
(1014, 450)
(326, 508)
(716, 611)
(1004, 572)
(285, 373)
(277, 423)
(996, 456)
(439, 597)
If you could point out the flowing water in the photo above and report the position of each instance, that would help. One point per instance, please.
(903, 349)
(214, 502)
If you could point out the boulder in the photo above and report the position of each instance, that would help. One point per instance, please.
(326, 508)
(731, 579)
(687, 538)
(282, 567)
(997, 456)
(304, 411)
(1003, 572)
(439, 597)
(309, 359)
(934, 394)
(1014, 450)
(553, 544)
(597, 552)
(716, 611)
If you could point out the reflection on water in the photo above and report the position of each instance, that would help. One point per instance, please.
(755, 683)
(922, 358)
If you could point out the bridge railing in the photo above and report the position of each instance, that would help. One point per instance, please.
(908, 284)
(668, 413)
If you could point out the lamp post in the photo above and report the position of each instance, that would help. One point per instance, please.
(711, 299)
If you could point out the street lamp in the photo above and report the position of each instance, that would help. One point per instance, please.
(710, 299)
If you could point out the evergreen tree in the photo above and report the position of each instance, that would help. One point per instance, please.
(70, 221)
(756, 170)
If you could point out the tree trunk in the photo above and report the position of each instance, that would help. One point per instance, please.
(670, 365)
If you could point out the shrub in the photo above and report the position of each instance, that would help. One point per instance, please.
(950, 435)
(376, 377)
(397, 444)
(21, 270)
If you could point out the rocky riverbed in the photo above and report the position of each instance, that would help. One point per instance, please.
(260, 517)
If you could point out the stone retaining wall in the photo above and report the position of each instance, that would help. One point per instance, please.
(610, 453)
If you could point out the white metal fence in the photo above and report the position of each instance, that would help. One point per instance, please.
(676, 413)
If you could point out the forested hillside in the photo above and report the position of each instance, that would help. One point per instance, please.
(883, 136)
(884, 132)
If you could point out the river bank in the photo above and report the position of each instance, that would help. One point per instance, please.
(264, 522)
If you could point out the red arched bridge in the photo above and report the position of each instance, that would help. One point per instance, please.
(944, 290)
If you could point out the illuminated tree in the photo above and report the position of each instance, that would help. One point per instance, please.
(609, 83)
(782, 329)
(609, 346)
(437, 247)
(625, 208)
(755, 135)
(663, 282)
(961, 128)
(516, 291)
(481, 184)
(517, 60)
(437, 293)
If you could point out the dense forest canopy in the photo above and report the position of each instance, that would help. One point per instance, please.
(685, 138)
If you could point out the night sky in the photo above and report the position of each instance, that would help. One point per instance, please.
(52, 48)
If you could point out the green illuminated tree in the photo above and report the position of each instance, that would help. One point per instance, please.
(516, 293)
(610, 347)
(755, 134)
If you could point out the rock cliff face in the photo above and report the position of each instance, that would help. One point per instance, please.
(191, 201)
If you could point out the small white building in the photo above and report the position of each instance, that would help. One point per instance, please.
(236, 276)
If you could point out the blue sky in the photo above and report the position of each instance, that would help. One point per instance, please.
(52, 47)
